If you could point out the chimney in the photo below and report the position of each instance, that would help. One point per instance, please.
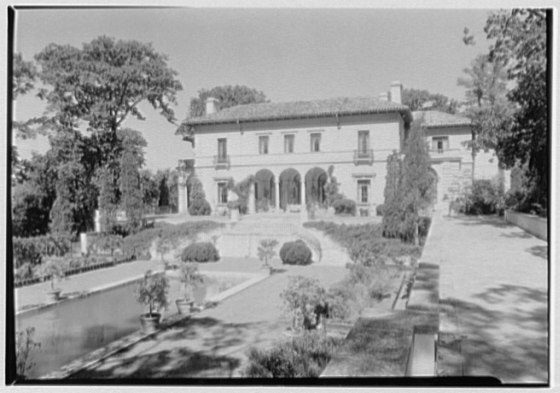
(384, 96)
(211, 105)
(396, 92)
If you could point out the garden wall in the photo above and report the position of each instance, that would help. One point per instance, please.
(536, 226)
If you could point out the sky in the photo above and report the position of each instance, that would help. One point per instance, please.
(289, 54)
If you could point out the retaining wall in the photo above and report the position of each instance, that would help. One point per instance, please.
(536, 226)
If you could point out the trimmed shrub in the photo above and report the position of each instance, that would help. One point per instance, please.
(379, 210)
(198, 205)
(200, 252)
(295, 253)
(303, 357)
(344, 206)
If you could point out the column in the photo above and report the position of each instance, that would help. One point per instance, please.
(277, 195)
(251, 200)
(303, 199)
(183, 194)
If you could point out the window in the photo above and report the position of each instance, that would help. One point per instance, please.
(222, 193)
(315, 142)
(363, 191)
(222, 149)
(363, 142)
(440, 143)
(289, 143)
(263, 144)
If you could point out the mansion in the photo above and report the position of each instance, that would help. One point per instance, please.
(293, 148)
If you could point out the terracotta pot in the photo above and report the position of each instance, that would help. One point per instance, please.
(184, 307)
(53, 295)
(150, 323)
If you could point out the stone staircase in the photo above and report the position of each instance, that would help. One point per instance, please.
(241, 239)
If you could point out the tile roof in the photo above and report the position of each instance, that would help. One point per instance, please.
(432, 119)
(301, 109)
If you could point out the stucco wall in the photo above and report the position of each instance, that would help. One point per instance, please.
(338, 144)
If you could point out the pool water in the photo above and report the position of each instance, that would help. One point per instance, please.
(76, 327)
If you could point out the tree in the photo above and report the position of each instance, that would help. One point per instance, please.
(419, 100)
(227, 97)
(150, 189)
(391, 209)
(488, 107)
(520, 42)
(409, 187)
(105, 81)
(416, 191)
(131, 161)
(24, 74)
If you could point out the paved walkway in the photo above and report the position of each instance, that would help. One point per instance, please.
(32, 296)
(214, 342)
(493, 299)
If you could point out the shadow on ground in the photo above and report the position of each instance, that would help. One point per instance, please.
(492, 220)
(196, 348)
(539, 251)
(503, 333)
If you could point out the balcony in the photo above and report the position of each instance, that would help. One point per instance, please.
(363, 157)
(221, 162)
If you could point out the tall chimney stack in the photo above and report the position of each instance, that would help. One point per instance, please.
(396, 92)
(211, 105)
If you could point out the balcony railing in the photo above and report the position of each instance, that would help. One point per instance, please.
(221, 162)
(363, 157)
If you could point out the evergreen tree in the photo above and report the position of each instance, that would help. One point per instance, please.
(129, 181)
(391, 205)
(416, 187)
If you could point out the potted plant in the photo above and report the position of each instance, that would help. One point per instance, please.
(266, 252)
(152, 293)
(53, 269)
(190, 277)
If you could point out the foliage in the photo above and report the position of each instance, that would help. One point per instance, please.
(302, 298)
(130, 163)
(295, 253)
(409, 192)
(198, 205)
(366, 244)
(418, 100)
(152, 292)
(303, 357)
(344, 207)
(331, 188)
(242, 190)
(190, 276)
(138, 245)
(485, 197)
(105, 81)
(391, 211)
(54, 268)
(227, 97)
(379, 209)
(519, 42)
(266, 250)
(24, 73)
(33, 250)
(25, 345)
(200, 252)
(150, 189)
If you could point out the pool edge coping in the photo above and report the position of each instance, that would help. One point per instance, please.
(96, 356)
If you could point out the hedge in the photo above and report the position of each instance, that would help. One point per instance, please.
(344, 206)
(31, 250)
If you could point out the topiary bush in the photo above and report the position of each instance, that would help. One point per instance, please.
(200, 207)
(295, 253)
(200, 252)
(344, 206)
